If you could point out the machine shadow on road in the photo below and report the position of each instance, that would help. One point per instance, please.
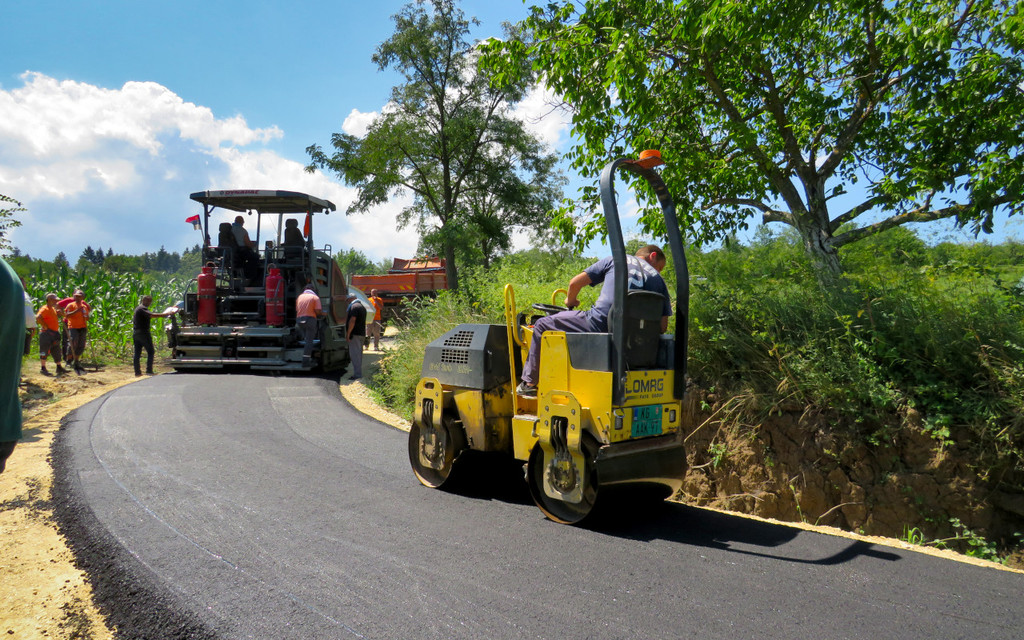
(625, 516)
(636, 514)
(489, 476)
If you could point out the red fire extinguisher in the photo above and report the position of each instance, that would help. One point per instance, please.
(207, 296)
(275, 297)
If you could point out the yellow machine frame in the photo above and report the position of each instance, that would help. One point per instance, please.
(587, 427)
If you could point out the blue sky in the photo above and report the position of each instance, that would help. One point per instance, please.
(112, 113)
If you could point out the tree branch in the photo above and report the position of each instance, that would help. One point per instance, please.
(778, 111)
(853, 213)
(921, 214)
(778, 180)
(770, 215)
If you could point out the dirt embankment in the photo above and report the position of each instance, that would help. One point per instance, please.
(791, 467)
(42, 593)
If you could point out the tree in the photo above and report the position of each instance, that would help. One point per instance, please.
(60, 262)
(87, 259)
(446, 135)
(507, 202)
(779, 107)
(122, 264)
(355, 261)
(8, 207)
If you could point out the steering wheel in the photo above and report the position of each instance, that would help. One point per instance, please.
(549, 308)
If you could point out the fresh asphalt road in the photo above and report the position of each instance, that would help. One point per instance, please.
(246, 506)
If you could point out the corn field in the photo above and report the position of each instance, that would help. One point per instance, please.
(113, 298)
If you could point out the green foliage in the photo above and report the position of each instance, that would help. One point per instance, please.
(449, 139)
(963, 540)
(535, 276)
(354, 261)
(719, 452)
(776, 107)
(904, 335)
(27, 266)
(8, 207)
(122, 264)
(191, 262)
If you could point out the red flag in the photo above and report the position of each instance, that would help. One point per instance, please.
(194, 221)
(307, 224)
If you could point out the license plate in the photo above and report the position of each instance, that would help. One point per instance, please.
(646, 421)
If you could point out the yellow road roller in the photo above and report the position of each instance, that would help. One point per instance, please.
(608, 406)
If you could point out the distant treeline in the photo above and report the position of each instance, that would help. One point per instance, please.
(162, 261)
(185, 264)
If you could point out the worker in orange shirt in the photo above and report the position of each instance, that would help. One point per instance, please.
(77, 315)
(375, 328)
(48, 319)
(308, 311)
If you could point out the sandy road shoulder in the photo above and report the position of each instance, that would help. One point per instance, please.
(43, 594)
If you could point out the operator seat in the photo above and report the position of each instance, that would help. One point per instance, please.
(642, 328)
(293, 240)
(226, 243)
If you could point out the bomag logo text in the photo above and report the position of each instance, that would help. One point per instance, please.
(647, 386)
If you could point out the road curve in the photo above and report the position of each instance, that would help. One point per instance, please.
(245, 506)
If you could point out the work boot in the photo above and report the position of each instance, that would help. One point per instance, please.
(61, 370)
(526, 390)
(43, 370)
(149, 372)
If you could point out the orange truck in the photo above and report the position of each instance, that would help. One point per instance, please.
(412, 278)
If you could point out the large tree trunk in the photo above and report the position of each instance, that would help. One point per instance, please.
(824, 255)
(815, 228)
(450, 272)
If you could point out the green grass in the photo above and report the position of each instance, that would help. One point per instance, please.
(930, 336)
(401, 367)
(911, 328)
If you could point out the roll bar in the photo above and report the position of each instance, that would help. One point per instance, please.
(644, 168)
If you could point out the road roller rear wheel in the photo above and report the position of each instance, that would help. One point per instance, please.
(433, 451)
(559, 510)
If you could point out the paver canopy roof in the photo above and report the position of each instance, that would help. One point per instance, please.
(264, 201)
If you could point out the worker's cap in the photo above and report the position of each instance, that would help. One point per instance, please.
(79, 292)
(51, 295)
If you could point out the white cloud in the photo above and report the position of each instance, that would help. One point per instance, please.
(47, 118)
(629, 211)
(540, 112)
(113, 168)
(357, 123)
